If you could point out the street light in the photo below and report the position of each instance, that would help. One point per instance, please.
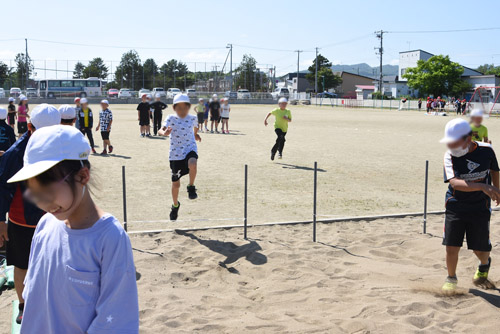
(176, 70)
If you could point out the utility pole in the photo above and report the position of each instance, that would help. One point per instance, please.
(274, 78)
(380, 52)
(316, 74)
(298, 61)
(27, 65)
(230, 46)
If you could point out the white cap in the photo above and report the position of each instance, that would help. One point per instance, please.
(45, 115)
(23, 98)
(215, 96)
(149, 96)
(477, 113)
(181, 98)
(105, 101)
(76, 99)
(83, 100)
(158, 95)
(11, 99)
(455, 130)
(67, 112)
(144, 94)
(283, 100)
(3, 113)
(200, 99)
(49, 146)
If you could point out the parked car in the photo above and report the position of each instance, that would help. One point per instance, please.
(113, 93)
(191, 93)
(158, 91)
(15, 92)
(243, 94)
(125, 93)
(31, 92)
(143, 91)
(2, 93)
(171, 92)
(231, 94)
(327, 95)
(280, 92)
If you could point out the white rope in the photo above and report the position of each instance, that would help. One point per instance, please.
(183, 221)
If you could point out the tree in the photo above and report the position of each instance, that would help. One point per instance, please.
(129, 72)
(21, 67)
(330, 79)
(150, 72)
(78, 71)
(96, 68)
(167, 73)
(4, 73)
(438, 75)
(489, 69)
(248, 76)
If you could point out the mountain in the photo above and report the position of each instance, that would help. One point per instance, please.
(366, 70)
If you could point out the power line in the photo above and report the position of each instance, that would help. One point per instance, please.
(124, 47)
(441, 31)
(266, 49)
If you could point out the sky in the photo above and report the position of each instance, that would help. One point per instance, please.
(197, 31)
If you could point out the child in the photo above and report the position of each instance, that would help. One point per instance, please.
(283, 117)
(7, 136)
(200, 113)
(68, 114)
(479, 131)
(105, 121)
(157, 107)
(205, 117)
(144, 116)
(183, 131)
(12, 113)
(86, 122)
(22, 116)
(81, 276)
(214, 107)
(224, 115)
(77, 109)
(470, 168)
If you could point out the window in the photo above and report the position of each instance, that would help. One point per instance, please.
(66, 83)
(43, 85)
(80, 83)
(54, 84)
(403, 71)
(93, 83)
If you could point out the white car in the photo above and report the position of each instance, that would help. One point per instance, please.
(2, 93)
(172, 92)
(143, 91)
(125, 93)
(15, 92)
(243, 94)
(158, 91)
(280, 92)
(191, 93)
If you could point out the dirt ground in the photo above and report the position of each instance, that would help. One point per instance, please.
(370, 162)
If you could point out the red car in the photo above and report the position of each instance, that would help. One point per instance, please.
(113, 93)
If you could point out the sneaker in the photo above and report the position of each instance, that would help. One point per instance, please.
(19, 317)
(272, 155)
(94, 151)
(192, 192)
(148, 135)
(280, 156)
(111, 149)
(450, 284)
(481, 276)
(143, 135)
(217, 131)
(104, 152)
(211, 131)
(174, 212)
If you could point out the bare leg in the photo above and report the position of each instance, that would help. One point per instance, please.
(175, 192)
(19, 276)
(193, 166)
(482, 256)
(452, 260)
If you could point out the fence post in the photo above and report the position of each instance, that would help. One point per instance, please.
(315, 199)
(246, 204)
(425, 195)
(124, 186)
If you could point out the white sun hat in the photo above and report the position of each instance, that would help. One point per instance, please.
(11, 99)
(23, 98)
(455, 130)
(158, 95)
(478, 113)
(3, 113)
(105, 102)
(83, 100)
(67, 112)
(45, 115)
(181, 98)
(49, 146)
(283, 100)
(215, 96)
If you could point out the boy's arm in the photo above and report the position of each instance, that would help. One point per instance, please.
(265, 121)
(466, 186)
(495, 178)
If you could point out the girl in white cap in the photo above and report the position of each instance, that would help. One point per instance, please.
(224, 115)
(12, 114)
(81, 276)
(22, 116)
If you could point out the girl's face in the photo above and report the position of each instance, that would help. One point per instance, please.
(58, 198)
(24, 102)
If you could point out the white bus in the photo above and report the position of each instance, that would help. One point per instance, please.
(53, 88)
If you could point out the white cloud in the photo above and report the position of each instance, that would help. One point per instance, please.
(394, 62)
(205, 56)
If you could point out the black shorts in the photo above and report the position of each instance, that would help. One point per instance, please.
(105, 135)
(224, 118)
(144, 119)
(19, 244)
(475, 225)
(201, 117)
(22, 127)
(181, 167)
(12, 118)
(215, 117)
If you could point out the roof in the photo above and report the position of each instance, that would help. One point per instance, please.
(416, 51)
(365, 87)
(340, 73)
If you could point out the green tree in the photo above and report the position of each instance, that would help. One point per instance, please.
(168, 69)
(4, 74)
(78, 71)
(150, 73)
(438, 75)
(129, 73)
(489, 69)
(248, 76)
(330, 79)
(96, 68)
(22, 65)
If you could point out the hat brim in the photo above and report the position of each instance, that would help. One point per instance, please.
(29, 171)
(448, 140)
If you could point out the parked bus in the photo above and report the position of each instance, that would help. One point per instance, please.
(53, 88)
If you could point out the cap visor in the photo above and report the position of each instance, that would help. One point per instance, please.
(27, 172)
(448, 140)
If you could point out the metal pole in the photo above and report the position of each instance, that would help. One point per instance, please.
(246, 203)
(27, 65)
(425, 196)
(315, 198)
(316, 74)
(298, 62)
(231, 66)
(124, 185)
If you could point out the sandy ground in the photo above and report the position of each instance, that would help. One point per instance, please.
(380, 276)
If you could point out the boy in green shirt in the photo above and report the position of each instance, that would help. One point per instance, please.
(479, 131)
(200, 113)
(283, 117)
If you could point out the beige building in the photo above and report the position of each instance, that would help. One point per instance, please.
(348, 87)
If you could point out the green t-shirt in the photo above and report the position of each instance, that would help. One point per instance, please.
(280, 123)
(478, 133)
(200, 108)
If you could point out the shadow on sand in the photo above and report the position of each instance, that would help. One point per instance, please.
(288, 166)
(490, 298)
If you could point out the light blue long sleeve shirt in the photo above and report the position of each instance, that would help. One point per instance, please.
(80, 281)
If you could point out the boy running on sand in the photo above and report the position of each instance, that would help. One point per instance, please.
(12, 114)
(105, 121)
(200, 113)
(470, 168)
(479, 131)
(224, 115)
(144, 116)
(283, 117)
(81, 276)
(183, 130)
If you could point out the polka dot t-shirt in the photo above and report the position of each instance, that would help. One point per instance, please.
(182, 139)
